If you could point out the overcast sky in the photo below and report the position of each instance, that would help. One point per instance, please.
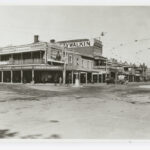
(123, 25)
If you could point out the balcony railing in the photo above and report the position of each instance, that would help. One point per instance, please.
(99, 67)
(19, 62)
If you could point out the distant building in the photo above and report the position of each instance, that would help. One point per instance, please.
(148, 74)
(132, 72)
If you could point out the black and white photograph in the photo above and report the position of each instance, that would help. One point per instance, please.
(74, 72)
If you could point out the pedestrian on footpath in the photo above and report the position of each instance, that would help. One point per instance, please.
(55, 80)
(60, 80)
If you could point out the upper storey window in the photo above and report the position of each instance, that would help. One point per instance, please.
(77, 62)
(70, 59)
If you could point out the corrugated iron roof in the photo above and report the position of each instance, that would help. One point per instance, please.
(28, 47)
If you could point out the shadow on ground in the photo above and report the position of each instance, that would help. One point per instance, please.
(54, 136)
(35, 136)
(6, 133)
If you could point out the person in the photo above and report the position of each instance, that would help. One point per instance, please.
(126, 81)
(58, 57)
(60, 80)
(55, 79)
(70, 78)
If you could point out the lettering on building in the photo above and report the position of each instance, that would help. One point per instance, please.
(77, 44)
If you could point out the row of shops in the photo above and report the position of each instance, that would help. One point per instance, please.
(48, 76)
(59, 62)
(130, 72)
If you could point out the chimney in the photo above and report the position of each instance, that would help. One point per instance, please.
(52, 41)
(36, 38)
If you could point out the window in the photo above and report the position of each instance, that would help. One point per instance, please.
(91, 65)
(82, 63)
(126, 69)
(63, 54)
(87, 64)
(70, 59)
(77, 61)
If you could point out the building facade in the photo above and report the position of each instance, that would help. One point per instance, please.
(48, 62)
(91, 63)
(38, 62)
(132, 72)
(63, 61)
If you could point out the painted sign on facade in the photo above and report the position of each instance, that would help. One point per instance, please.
(77, 44)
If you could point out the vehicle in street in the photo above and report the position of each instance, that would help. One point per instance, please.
(110, 80)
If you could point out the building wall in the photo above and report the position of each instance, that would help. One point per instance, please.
(84, 46)
(87, 63)
(98, 48)
(77, 61)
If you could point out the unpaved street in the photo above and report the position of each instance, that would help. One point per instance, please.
(93, 111)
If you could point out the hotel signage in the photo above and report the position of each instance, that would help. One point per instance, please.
(74, 44)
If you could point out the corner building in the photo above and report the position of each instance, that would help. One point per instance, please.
(38, 62)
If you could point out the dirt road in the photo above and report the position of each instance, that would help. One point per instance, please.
(94, 111)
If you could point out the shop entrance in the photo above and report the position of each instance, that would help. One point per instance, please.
(41, 76)
(7, 76)
(27, 76)
(17, 76)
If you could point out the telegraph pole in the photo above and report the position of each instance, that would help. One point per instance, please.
(64, 69)
(106, 68)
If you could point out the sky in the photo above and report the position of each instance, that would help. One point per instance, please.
(127, 29)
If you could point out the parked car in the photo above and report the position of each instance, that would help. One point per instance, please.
(110, 80)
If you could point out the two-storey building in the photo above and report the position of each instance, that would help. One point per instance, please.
(48, 62)
(38, 62)
(45, 62)
(91, 62)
